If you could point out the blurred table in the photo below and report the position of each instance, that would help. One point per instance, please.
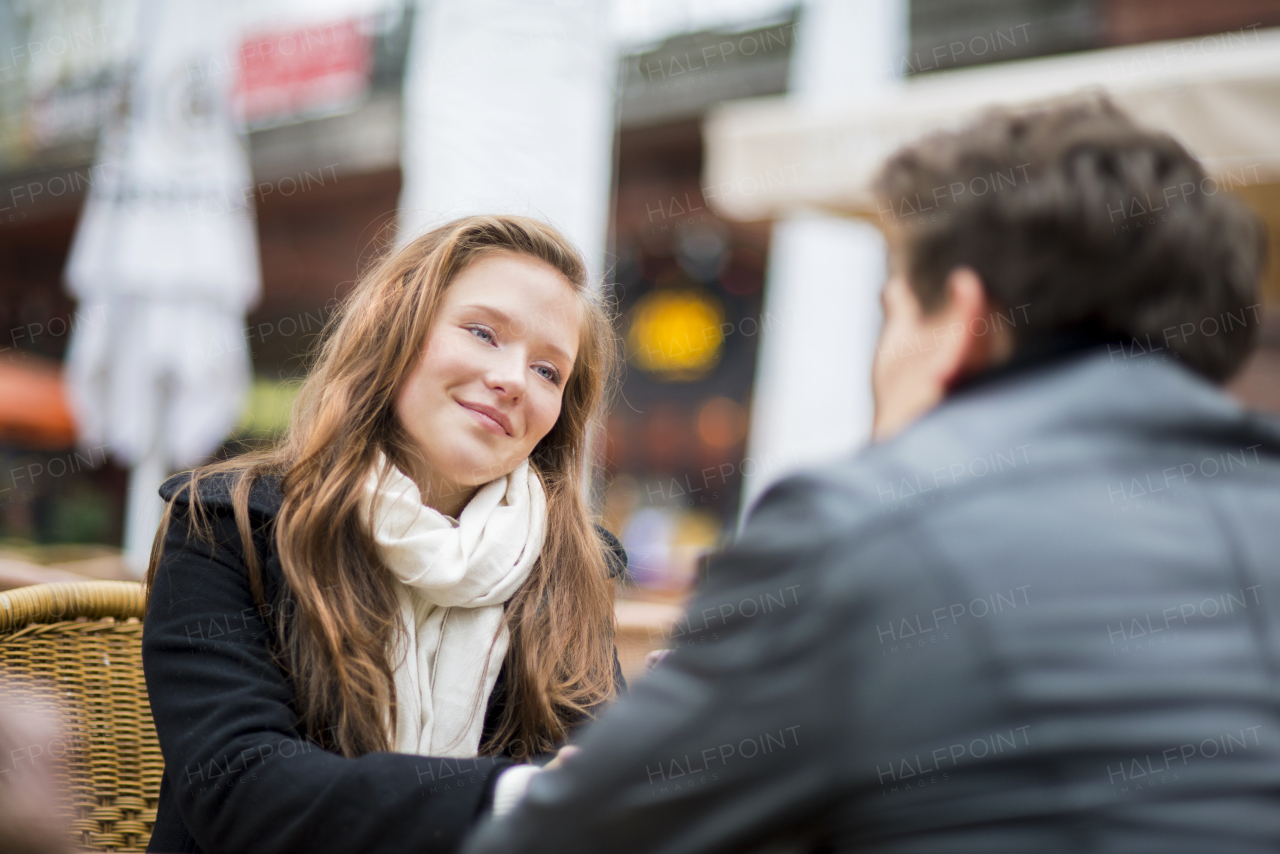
(643, 625)
(52, 564)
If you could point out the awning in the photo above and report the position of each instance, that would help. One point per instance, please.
(33, 405)
(1219, 95)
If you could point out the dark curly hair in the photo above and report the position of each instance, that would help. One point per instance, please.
(1100, 226)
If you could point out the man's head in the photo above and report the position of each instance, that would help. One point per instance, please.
(1064, 223)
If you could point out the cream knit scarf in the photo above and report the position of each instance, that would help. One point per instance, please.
(455, 577)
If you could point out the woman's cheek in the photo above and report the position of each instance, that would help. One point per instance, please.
(547, 415)
(409, 410)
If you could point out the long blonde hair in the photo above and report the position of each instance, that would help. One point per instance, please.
(336, 647)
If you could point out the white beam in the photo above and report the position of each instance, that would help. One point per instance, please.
(1219, 95)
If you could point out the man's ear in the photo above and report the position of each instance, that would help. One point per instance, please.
(977, 343)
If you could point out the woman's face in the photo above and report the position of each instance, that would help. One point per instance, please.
(491, 378)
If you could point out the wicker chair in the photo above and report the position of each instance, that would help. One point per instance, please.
(84, 641)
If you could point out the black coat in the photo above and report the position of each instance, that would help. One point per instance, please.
(239, 777)
(1045, 618)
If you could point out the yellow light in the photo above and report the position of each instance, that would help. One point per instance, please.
(676, 334)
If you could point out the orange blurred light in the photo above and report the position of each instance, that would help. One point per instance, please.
(722, 423)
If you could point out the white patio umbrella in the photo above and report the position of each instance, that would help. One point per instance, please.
(165, 262)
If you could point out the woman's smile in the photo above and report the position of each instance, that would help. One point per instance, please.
(488, 417)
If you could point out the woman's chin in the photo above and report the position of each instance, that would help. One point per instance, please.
(477, 470)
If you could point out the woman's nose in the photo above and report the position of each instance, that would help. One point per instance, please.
(506, 375)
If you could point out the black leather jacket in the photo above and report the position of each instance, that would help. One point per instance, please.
(1045, 618)
(238, 775)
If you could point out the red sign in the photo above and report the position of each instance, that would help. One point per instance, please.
(301, 73)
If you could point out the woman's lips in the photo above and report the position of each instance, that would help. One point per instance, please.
(488, 418)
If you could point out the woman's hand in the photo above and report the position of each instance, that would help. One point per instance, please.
(655, 658)
(563, 754)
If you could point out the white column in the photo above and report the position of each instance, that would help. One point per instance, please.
(812, 395)
(508, 108)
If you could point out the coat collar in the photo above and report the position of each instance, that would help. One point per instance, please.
(265, 496)
(1091, 391)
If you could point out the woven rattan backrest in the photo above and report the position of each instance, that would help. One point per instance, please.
(82, 644)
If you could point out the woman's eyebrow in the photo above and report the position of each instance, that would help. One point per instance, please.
(498, 314)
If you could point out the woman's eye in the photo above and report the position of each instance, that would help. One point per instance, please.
(550, 374)
(483, 334)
